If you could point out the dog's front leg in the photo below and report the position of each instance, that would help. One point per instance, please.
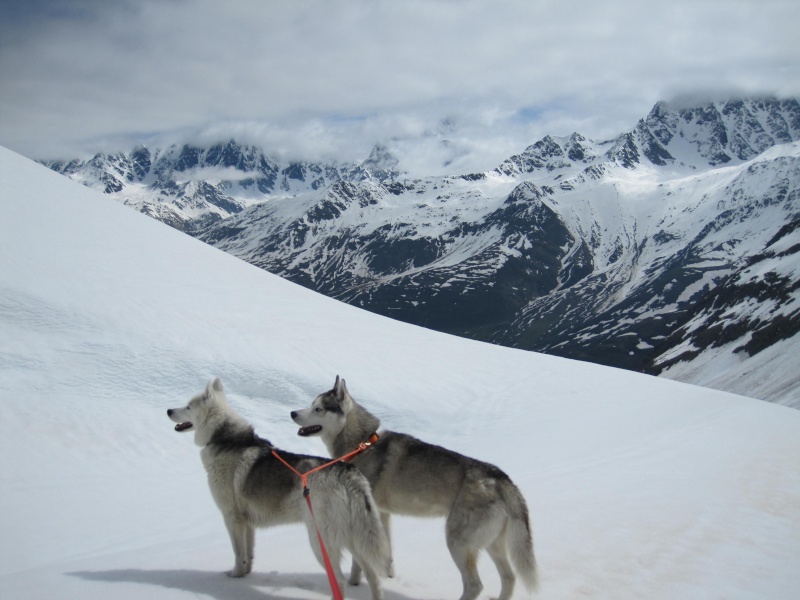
(241, 534)
(386, 521)
(251, 542)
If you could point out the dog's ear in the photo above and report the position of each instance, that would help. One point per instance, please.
(213, 387)
(342, 395)
(339, 389)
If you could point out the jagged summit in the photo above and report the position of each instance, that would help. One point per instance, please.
(722, 132)
(382, 163)
(710, 135)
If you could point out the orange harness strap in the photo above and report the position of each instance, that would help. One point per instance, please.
(337, 593)
(373, 439)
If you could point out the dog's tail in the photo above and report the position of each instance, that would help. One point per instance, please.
(369, 542)
(519, 539)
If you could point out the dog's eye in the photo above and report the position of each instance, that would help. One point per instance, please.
(318, 409)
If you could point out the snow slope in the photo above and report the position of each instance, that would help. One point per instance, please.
(639, 487)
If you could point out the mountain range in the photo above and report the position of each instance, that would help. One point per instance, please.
(672, 249)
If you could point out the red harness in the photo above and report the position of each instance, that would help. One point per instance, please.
(337, 593)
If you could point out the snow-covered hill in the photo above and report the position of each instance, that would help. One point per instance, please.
(636, 252)
(638, 486)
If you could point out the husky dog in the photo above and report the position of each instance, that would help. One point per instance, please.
(253, 489)
(482, 506)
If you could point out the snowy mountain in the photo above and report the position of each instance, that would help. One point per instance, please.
(638, 252)
(638, 487)
(190, 187)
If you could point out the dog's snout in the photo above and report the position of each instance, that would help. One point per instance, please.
(293, 414)
(169, 412)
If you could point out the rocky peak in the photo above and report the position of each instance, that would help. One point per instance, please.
(382, 164)
(546, 154)
(721, 132)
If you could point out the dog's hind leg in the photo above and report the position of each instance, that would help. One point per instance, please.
(464, 553)
(374, 584)
(499, 554)
(334, 554)
(372, 578)
(355, 573)
(466, 560)
(355, 569)
(476, 521)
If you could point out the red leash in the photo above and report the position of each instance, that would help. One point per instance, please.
(337, 593)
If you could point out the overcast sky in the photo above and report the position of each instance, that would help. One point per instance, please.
(329, 78)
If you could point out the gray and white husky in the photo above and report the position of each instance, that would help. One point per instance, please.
(482, 506)
(253, 489)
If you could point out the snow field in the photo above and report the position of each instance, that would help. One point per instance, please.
(638, 486)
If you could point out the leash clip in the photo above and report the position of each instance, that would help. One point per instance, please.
(373, 439)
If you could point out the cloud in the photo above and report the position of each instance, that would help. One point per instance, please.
(215, 174)
(330, 78)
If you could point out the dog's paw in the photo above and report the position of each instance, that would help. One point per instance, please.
(237, 572)
(390, 570)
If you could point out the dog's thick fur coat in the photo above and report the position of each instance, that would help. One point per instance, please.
(482, 506)
(253, 489)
